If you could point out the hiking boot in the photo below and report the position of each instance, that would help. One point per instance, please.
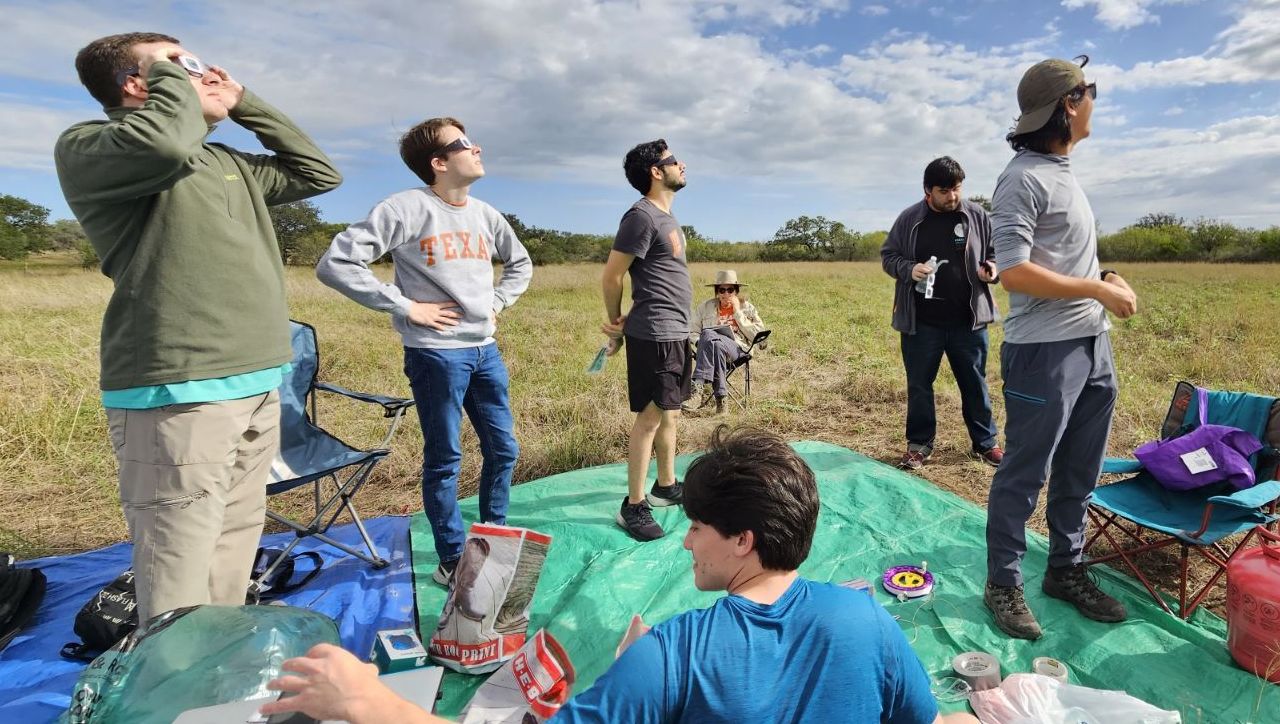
(660, 496)
(638, 520)
(991, 456)
(444, 572)
(1011, 612)
(701, 390)
(719, 405)
(912, 460)
(1075, 586)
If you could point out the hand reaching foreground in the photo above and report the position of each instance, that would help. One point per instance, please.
(330, 683)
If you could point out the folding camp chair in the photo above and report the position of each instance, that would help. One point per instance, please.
(743, 362)
(309, 455)
(1137, 514)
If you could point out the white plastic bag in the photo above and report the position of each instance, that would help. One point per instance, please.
(1036, 699)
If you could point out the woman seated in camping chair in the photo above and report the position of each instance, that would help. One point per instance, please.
(722, 327)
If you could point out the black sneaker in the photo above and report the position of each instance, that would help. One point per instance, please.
(638, 521)
(1011, 612)
(1075, 586)
(660, 496)
(444, 572)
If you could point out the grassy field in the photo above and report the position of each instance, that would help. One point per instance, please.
(833, 373)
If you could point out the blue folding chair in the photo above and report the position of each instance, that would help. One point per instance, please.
(311, 456)
(1136, 515)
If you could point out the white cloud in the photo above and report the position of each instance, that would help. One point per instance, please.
(556, 91)
(774, 12)
(874, 11)
(28, 130)
(1223, 171)
(1122, 14)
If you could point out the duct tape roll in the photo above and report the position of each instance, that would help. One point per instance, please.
(980, 671)
(1051, 668)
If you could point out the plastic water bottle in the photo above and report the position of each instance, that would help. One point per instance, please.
(925, 286)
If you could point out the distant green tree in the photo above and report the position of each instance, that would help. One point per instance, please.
(809, 237)
(27, 229)
(1268, 244)
(1157, 219)
(13, 245)
(1211, 239)
(522, 232)
(982, 201)
(88, 255)
(293, 222)
(66, 234)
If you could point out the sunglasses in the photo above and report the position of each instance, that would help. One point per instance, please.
(462, 144)
(193, 65)
(726, 290)
(668, 161)
(1090, 90)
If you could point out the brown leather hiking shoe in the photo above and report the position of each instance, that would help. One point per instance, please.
(912, 460)
(1075, 586)
(1010, 609)
(991, 456)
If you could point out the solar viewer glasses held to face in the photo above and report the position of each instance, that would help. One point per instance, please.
(193, 65)
(461, 144)
(668, 161)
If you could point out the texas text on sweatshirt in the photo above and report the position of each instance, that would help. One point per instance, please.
(441, 253)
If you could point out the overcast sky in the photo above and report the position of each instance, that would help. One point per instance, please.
(779, 107)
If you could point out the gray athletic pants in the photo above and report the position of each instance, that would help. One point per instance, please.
(1058, 402)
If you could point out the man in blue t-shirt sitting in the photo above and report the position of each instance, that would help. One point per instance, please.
(778, 648)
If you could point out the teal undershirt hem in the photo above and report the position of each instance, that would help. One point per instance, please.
(235, 387)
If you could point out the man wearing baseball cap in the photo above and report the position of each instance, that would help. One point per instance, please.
(1059, 380)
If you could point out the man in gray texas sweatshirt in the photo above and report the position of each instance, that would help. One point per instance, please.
(444, 305)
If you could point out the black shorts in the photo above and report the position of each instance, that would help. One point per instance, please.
(658, 372)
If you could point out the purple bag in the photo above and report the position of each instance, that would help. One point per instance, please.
(1205, 455)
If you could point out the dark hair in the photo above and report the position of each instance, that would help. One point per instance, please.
(99, 62)
(943, 172)
(1056, 130)
(750, 479)
(421, 143)
(638, 162)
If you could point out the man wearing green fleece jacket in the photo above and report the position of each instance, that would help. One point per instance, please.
(195, 338)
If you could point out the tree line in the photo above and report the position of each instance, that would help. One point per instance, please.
(304, 236)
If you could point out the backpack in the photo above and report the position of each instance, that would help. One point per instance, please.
(108, 617)
(21, 592)
(112, 613)
(281, 580)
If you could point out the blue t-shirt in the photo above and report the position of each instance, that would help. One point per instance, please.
(820, 653)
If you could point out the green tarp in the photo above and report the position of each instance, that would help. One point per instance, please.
(873, 517)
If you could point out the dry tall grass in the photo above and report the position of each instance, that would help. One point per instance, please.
(833, 372)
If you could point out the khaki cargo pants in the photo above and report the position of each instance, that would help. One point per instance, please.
(193, 481)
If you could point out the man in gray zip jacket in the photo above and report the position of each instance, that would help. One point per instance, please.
(939, 251)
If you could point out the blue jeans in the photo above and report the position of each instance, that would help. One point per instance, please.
(966, 351)
(445, 382)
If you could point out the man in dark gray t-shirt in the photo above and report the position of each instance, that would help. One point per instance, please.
(651, 246)
(1059, 379)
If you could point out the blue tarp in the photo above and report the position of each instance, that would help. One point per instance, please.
(35, 682)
